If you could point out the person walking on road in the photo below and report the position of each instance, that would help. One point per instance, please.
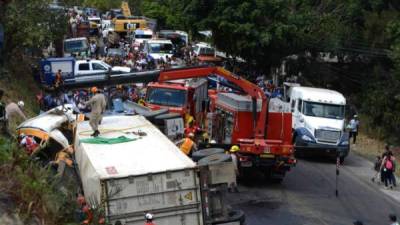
(388, 165)
(393, 219)
(353, 125)
(98, 105)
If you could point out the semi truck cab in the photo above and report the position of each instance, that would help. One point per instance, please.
(319, 121)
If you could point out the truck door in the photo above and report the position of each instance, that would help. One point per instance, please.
(298, 114)
(99, 71)
(82, 72)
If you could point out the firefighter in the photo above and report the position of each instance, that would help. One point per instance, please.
(149, 219)
(187, 145)
(58, 81)
(233, 153)
(190, 127)
(98, 106)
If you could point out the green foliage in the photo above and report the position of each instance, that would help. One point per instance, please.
(30, 25)
(362, 34)
(102, 5)
(33, 189)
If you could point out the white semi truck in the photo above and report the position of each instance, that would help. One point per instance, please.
(134, 169)
(318, 121)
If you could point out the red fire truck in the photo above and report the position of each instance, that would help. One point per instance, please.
(184, 96)
(243, 118)
(265, 138)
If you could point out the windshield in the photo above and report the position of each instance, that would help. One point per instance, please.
(161, 48)
(75, 46)
(323, 110)
(166, 97)
(143, 36)
(206, 51)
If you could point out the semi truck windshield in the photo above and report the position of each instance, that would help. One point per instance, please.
(323, 110)
(166, 97)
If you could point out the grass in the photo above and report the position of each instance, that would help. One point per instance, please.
(32, 189)
(370, 148)
(19, 84)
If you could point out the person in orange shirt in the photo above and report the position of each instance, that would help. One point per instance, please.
(187, 145)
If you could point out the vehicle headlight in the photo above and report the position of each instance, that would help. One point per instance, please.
(345, 143)
(306, 138)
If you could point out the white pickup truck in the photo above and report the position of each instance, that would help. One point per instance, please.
(77, 71)
(318, 121)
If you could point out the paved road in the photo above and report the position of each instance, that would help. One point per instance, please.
(307, 196)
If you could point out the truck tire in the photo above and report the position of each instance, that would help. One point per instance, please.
(160, 118)
(234, 216)
(196, 156)
(214, 159)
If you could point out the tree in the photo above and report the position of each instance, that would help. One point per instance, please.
(26, 29)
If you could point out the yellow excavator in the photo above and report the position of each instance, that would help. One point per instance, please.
(128, 23)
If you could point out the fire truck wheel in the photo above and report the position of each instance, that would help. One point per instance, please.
(160, 118)
(233, 216)
(196, 156)
(151, 115)
(214, 159)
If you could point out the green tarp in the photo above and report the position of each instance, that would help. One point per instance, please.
(109, 141)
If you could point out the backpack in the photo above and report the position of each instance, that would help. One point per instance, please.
(389, 164)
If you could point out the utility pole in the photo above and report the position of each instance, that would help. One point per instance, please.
(337, 174)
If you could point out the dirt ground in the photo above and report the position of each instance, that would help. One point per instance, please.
(370, 148)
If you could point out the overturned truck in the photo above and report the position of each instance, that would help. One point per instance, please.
(133, 169)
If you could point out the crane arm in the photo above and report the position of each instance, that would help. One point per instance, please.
(260, 122)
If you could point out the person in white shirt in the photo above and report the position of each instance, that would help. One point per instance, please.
(353, 125)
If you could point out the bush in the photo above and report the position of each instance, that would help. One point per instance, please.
(32, 188)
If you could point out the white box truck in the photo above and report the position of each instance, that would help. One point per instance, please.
(318, 121)
(144, 174)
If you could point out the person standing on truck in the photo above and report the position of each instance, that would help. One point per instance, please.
(98, 105)
(149, 219)
(354, 124)
(187, 145)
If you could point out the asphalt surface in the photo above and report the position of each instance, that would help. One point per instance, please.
(307, 196)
